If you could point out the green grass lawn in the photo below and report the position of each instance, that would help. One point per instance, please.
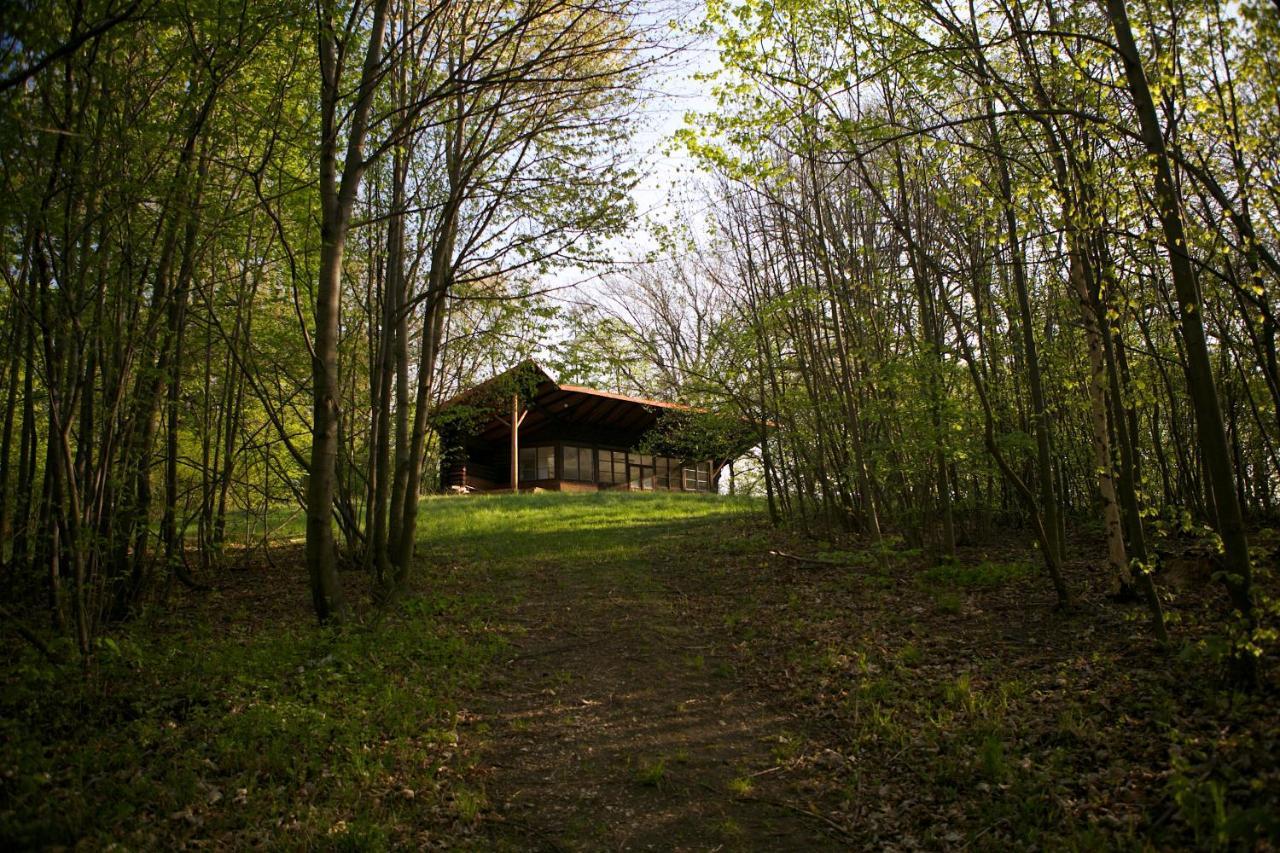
(595, 527)
(230, 716)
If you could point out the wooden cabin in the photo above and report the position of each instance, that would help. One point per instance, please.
(564, 438)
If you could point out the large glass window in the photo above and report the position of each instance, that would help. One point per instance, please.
(613, 466)
(666, 469)
(537, 463)
(697, 477)
(641, 470)
(578, 464)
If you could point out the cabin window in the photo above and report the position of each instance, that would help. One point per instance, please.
(578, 464)
(640, 472)
(697, 477)
(613, 466)
(665, 470)
(537, 463)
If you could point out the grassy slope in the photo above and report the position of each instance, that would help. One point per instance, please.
(604, 527)
(230, 716)
(962, 711)
(942, 706)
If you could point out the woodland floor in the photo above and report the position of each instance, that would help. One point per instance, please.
(647, 672)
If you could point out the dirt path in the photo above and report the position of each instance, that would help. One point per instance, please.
(618, 722)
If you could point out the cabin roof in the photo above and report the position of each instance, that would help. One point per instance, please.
(548, 379)
(644, 401)
(553, 405)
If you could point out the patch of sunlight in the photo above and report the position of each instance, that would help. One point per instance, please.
(599, 527)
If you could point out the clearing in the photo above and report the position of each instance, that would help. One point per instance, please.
(622, 671)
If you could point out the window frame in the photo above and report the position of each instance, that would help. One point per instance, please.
(617, 475)
(578, 450)
(540, 453)
(609, 467)
(701, 479)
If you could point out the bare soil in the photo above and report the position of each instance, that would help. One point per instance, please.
(618, 722)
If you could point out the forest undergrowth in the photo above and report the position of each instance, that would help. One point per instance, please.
(954, 706)
(227, 717)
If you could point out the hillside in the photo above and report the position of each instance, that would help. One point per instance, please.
(639, 671)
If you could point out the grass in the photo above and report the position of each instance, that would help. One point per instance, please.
(1014, 727)
(991, 761)
(215, 734)
(278, 523)
(729, 829)
(983, 575)
(238, 723)
(468, 804)
(242, 722)
(652, 773)
(516, 531)
(539, 526)
(948, 602)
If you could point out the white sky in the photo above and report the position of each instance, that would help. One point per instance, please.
(670, 93)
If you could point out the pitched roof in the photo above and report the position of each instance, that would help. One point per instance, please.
(644, 401)
(530, 364)
(463, 396)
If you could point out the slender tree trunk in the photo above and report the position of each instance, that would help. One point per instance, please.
(336, 200)
(433, 325)
(1200, 379)
(1117, 558)
(17, 332)
(393, 292)
(1040, 410)
(321, 549)
(27, 457)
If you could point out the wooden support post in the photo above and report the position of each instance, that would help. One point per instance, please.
(515, 442)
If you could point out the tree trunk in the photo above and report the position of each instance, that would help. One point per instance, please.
(1200, 381)
(336, 200)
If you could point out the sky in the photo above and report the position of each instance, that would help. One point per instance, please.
(670, 92)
